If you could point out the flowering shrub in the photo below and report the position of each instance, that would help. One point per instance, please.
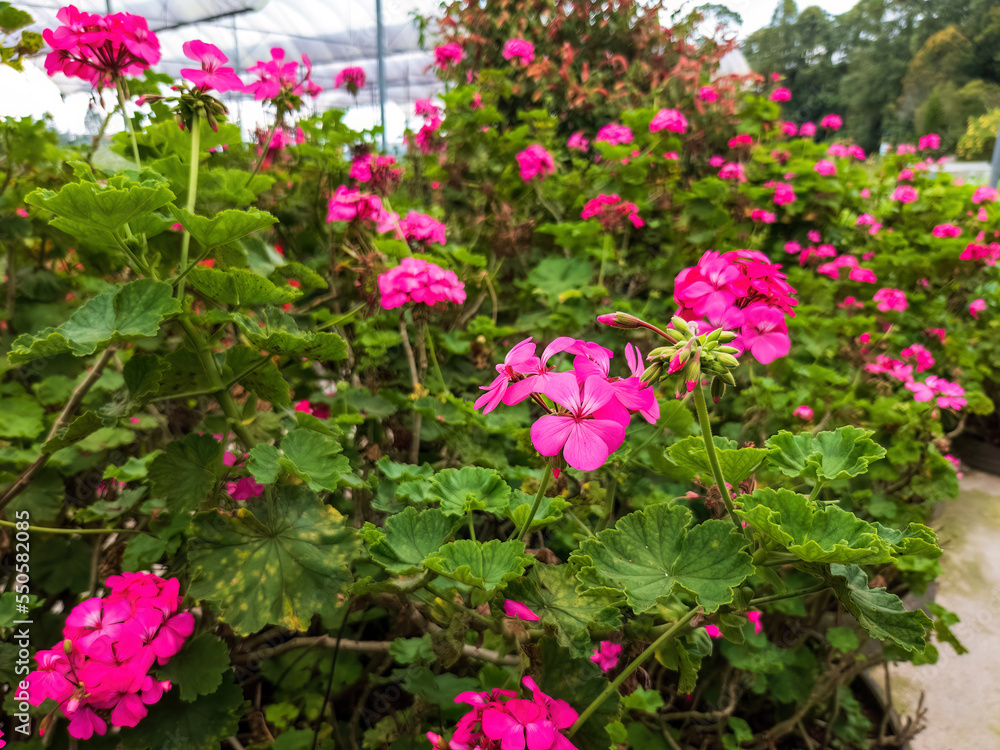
(306, 381)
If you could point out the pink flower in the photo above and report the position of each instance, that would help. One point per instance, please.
(977, 306)
(22, 212)
(905, 148)
(422, 229)
(353, 79)
(420, 281)
(984, 193)
(783, 194)
(713, 631)
(611, 212)
(946, 230)
(425, 107)
(890, 299)
(939, 332)
(512, 608)
(585, 440)
(924, 359)
(668, 119)
(614, 134)
(764, 333)
(825, 168)
(837, 149)
(789, 128)
(831, 122)
(950, 395)
(906, 174)
(813, 235)
(280, 80)
(864, 275)
(850, 302)
(707, 94)
(740, 141)
(523, 50)
(905, 194)
(866, 193)
(320, 411)
(956, 463)
(930, 141)
(243, 489)
(755, 617)
(760, 215)
(781, 95)
(733, 171)
(671, 156)
(355, 206)
(807, 130)
(803, 412)
(534, 162)
(578, 142)
(211, 75)
(520, 360)
(448, 54)
(606, 655)
(792, 247)
(858, 153)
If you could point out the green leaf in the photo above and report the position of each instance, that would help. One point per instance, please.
(197, 669)
(82, 426)
(550, 591)
(489, 566)
(879, 612)
(410, 650)
(240, 287)
(845, 452)
(265, 380)
(293, 559)
(12, 19)
(470, 488)
(654, 553)
(201, 725)
(827, 534)
(550, 509)
(185, 472)
(20, 417)
(843, 640)
(557, 275)
(407, 539)
(129, 313)
(280, 336)
(916, 539)
(82, 207)
(737, 463)
(314, 458)
(264, 463)
(225, 226)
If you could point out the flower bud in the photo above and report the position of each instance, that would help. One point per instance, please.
(713, 335)
(619, 320)
(728, 377)
(681, 325)
(726, 336)
(718, 389)
(652, 373)
(67, 647)
(729, 350)
(727, 359)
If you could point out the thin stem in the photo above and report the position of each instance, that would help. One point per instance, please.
(791, 594)
(636, 663)
(192, 194)
(816, 489)
(434, 361)
(713, 458)
(543, 485)
(472, 527)
(52, 530)
(128, 124)
(418, 418)
(209, 391)
(264, 147)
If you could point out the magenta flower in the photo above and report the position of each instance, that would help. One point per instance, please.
(977, 306)
(803, 412)
(418, 280)
(277, 79)
(789, 128)
(611, 212)
(891, 299)
(831, 122)
(521, 611)
(946, 230)
(864, 275)
(448, 54)
(523, 50)
(585, 440)
(606, 655)
(243, 489)
(534, 162)
(905, 148)
(742, 140)
(713, 631)
(578, 141)
(754, 617)
(425, 107)
(931, 141)
(781, 95)
(783, 194)
(807, 130)
(614, 134)
(733, 171)
(764, 333)
(985, 193)
(520, 360)
(762, 216)
(352, 78)
(211, 75)
(924, 359)
(905, 194)
(707, 94)
(669, 119)
(825, 168)
(354, 206)
(422, 229)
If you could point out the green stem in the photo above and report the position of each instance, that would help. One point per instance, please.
(472, 527)
(713, 458)
(50, 530)
(543, 485)
(192, 194)
(209, 391)
(791, 594)
(222, 394)
(606, 250)
(636, 663)
(816, 489)
(434, 361)
(128, 124)
(609, 502)
(341, 318)
(263, 150)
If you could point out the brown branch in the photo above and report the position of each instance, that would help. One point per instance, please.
(372, 647)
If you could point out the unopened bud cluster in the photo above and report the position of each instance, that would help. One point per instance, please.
(692, 356)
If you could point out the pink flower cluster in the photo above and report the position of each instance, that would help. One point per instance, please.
(380, 170)
(831, 122)
(949, 395)
(591, 409)
(100, 49)
(212, 74)
(534, 162)
(422, 229)
(578, 141)
(985, 193)
(708, 94)
(352, 78)
(781, 95)
(279, 79)
(990, 253)
(739, 291)
(100, 671)
(352, 205)
(611, 211)
(891, 299)
(418, 280)
(614, 134)
(448, 54)
(905, 194)
(840, 150)
(606, 655)
(499, 720)
(522, 50)
(783, 192)
(930, 141)
(669, 119)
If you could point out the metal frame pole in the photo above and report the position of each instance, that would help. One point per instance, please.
(380, 51)
(995, 162)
